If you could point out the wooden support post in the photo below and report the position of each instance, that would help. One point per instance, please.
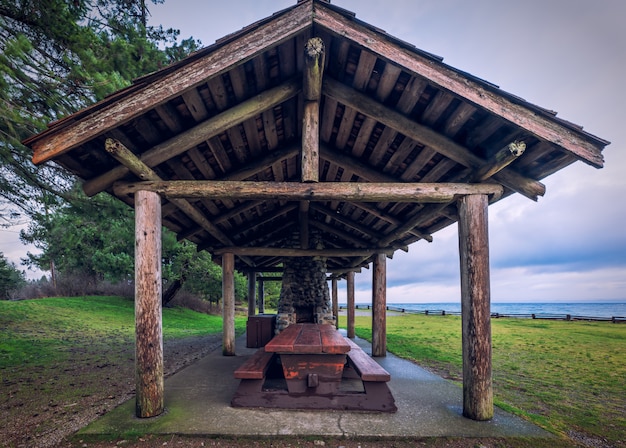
(312, 91)
(350, 288)
(379, 306)
(148, 319)
(475, 307)
(335, 293)
(261, 296)
(251, 293)
(228, 298)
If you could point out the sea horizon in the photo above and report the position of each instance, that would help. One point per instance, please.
(605, 309)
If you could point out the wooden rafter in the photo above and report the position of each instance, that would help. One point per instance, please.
(453, 81)
(150, 94)
(199, 133)
(427, 136)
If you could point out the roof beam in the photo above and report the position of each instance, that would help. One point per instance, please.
(427, 136)
(323, 191)
(286, 252)
(200, 133)
(153, 91)
(578, 143)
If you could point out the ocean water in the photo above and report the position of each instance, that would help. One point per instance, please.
(591, 309)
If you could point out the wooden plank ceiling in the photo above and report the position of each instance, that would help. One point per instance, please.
(388, 113)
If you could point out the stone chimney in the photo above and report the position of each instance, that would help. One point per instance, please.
(304, 296)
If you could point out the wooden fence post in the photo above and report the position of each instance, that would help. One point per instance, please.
(228, 298)
(350, 288)
(379, 305)
(148, 318)
(475, 307)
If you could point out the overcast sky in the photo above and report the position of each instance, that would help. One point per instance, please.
(564, 55)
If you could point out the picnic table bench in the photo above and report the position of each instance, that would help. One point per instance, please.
(313, 360)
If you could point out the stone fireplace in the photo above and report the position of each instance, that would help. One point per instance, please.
(304, 296)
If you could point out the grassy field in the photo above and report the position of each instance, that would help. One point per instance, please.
(64, 361)
(40, 329)
(569, 377)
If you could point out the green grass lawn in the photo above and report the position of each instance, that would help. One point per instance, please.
(39, 330)
(564, 376)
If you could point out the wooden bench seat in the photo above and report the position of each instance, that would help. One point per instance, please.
(255, 367)
(368, 369)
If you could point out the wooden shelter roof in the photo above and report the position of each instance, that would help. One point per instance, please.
(389, 113)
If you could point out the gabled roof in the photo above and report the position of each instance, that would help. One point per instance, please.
(389, 112)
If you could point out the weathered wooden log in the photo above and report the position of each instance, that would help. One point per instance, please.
(379, 305)
(312, 92)
(314, 53)
(350, 303)
(148, 318)
(287, 252)
(228, 298)
(322, 191)
(501, 160)
(335, 298)
(251, 293)
(475, 307)
(198, 134)
(261, 296)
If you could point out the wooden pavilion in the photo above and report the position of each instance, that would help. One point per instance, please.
(312, 121)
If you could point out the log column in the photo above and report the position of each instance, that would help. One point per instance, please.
(251, 293)
(261, 295)
(379, 305)
(335, 293)
(350, 288)
(148, 320)
(228, 298)
(475, 307)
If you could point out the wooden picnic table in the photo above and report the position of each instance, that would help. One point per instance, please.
(312, 356)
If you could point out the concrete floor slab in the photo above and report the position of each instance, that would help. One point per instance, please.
(198, 403)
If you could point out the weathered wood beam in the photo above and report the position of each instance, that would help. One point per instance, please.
(198, 134)
(475, 307)
(287, 252)
(270, 279)
(585, 147)
(150, 91)
(312, 91)
(427, 136)
(379, 305)
(251, 293)
(350, 303)
(358, 242)
(335, 300)
(323, 191)
(149, 400)
(228, 296)
(141, 170)
(499, 161)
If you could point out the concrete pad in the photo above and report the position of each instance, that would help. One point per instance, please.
(198, 403)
